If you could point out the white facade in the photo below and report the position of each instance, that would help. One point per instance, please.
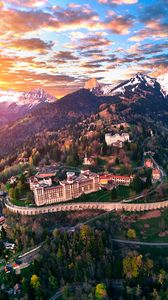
(73, 187)
(87, 161)
(113, 139)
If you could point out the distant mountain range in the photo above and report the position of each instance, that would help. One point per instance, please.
(139, 85)
(37, 113)
(16, 104)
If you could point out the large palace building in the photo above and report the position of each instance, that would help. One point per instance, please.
(46, 193)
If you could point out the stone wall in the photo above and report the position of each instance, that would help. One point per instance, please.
(84, 206)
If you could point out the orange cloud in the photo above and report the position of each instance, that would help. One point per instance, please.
(33, 44)
(95, 41)
(159, 71)
(13, 77)
(153, 31)
(119, 24)
(19, 22)
(27, 3)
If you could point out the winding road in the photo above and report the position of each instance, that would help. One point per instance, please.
(130, 242)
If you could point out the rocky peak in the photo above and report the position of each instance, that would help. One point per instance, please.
(92, 84)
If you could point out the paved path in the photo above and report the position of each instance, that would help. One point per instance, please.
(159, 244)
(56, 295)
(30, 255)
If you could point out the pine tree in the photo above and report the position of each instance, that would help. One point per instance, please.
(114, 193)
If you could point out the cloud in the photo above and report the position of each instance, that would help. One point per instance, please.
(16, 22)
(93, 42)
(6, 63)
(119, 24)
(153, 31)
(74, 17)
(154, 17)
(66, 55)
(91, 65)
(19, 78)
(161, 69)
(63, 57)
(33, 44)
(16, 25)
(148, 48)
(118, 2)
(92, 53)
(27, 3)
(87, 41)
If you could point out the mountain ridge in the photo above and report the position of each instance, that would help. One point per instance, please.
(14, 105)
(75, 107)
(139, 81)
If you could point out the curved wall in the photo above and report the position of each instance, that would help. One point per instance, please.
(83, 206)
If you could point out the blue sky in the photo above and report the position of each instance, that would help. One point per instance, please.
(58, 45)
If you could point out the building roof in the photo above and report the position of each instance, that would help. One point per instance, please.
(110, 176)
(45, 175)
(86, 176)
(2, 219)
(156, 171)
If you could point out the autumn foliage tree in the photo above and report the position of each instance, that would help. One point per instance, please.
(100, 291)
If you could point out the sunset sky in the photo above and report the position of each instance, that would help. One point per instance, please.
(58, 44)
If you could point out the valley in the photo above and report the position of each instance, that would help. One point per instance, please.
(83, 150)
(111, 147)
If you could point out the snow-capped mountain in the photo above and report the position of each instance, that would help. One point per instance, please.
(136, 84)
(29, 99)
(9, 96)
(105, 89)
(14, 105)
(139, 85)
(137, 98)
(163, 81)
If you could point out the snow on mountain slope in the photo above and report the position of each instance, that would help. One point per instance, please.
(163, 81)
(105, 89)
(9, 96)
(140, 81)
(139, 85)
(29, 99)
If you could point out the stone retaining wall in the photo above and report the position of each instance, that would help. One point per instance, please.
(84, 206)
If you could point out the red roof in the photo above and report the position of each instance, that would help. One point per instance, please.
(15, 266)
(111, 176)
(2, 219)
(44, 175)
(156, 171)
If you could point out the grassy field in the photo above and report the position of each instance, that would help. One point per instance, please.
(149, 226)
(153, 229)
(105, 196)
(21, 202)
